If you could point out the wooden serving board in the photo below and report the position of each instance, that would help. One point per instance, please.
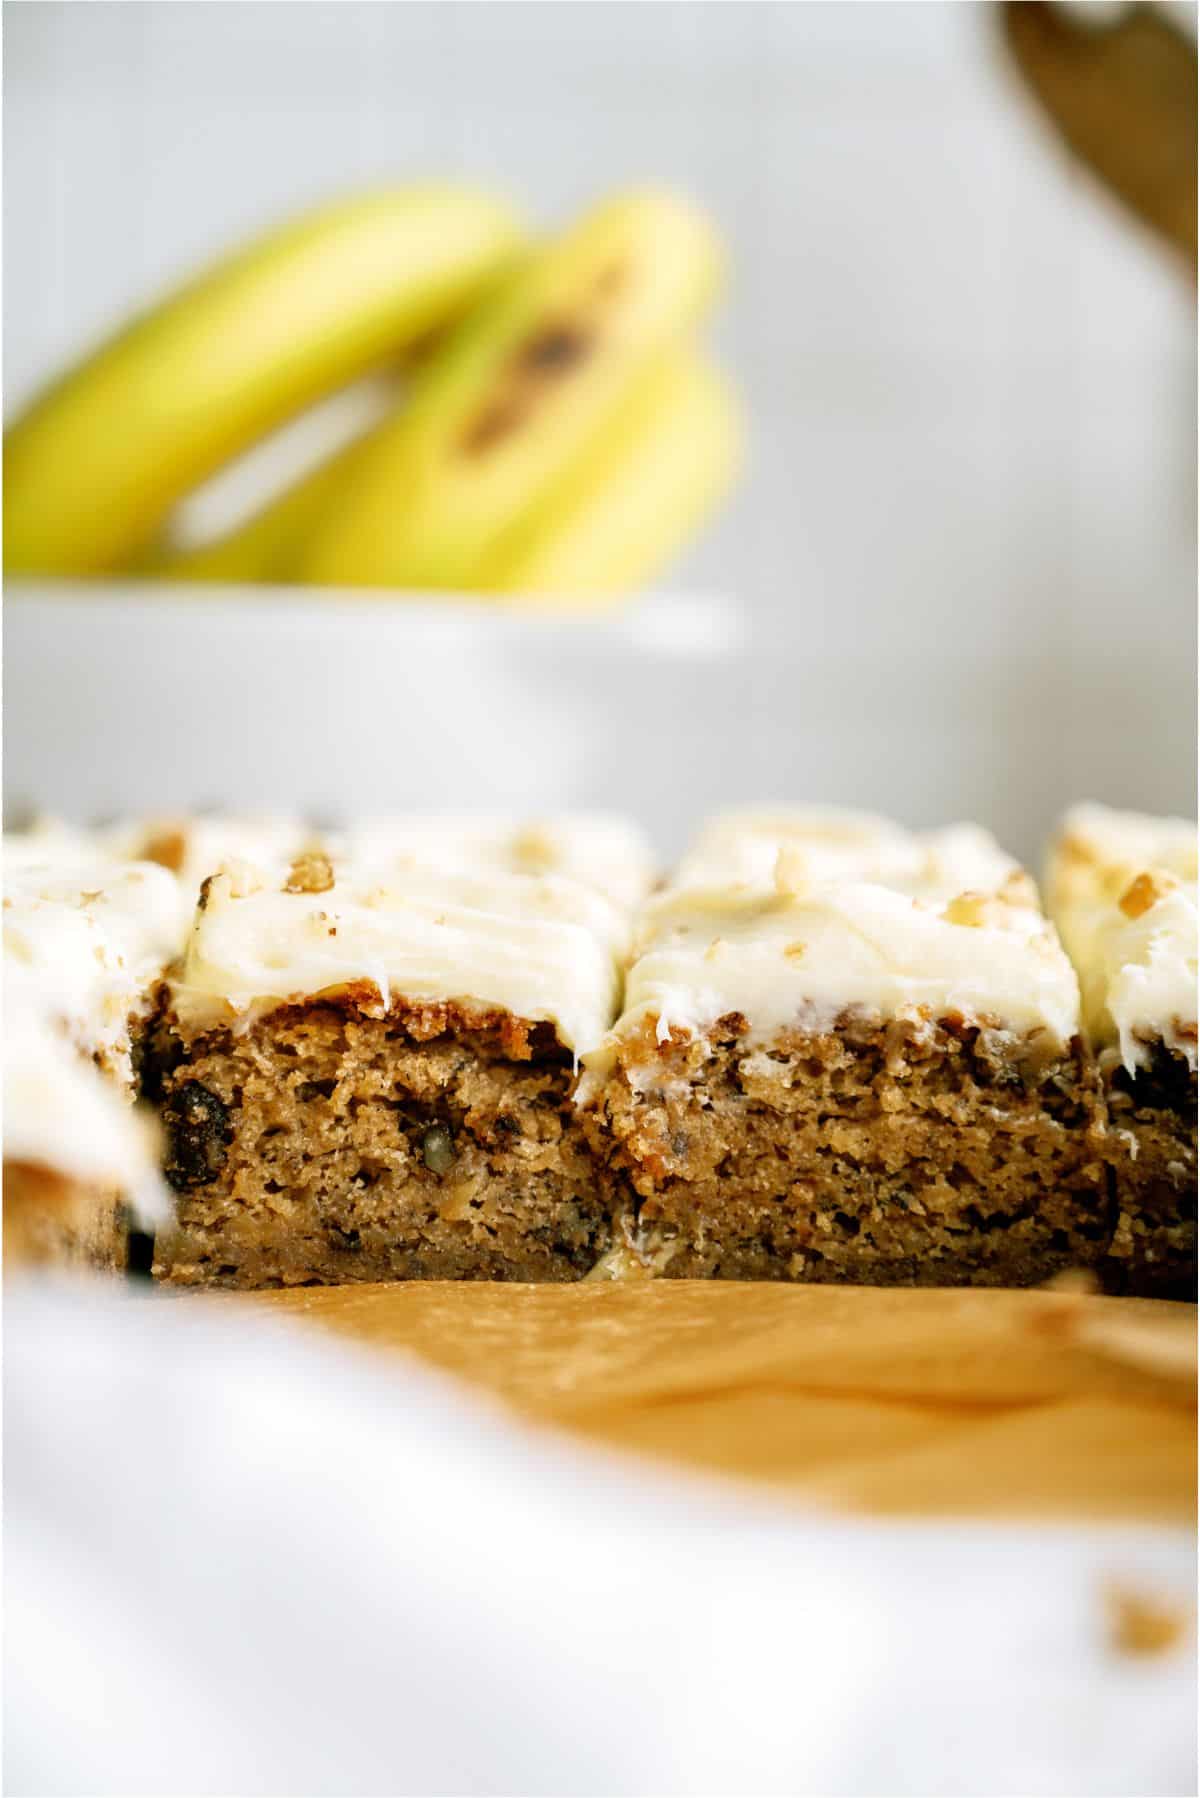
(1046, 1403)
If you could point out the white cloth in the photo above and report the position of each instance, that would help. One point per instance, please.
(244, 1558)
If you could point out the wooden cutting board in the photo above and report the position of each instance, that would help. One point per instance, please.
(959, 1403)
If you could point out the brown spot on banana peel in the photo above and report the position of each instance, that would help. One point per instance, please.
(554, 349)
(610, 280)
(550, 352)
(497, 421)
(545, 357)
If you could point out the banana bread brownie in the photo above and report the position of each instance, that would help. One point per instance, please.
(367, 1078)
(834, 1078)
(1122, 888)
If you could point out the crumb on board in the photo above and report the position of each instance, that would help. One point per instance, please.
(1144, 1624)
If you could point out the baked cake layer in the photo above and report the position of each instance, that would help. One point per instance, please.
(1152, 1149)
(326, 1143)
(54, 1220)
(907, 1152)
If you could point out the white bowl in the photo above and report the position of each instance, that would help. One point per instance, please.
(125, 696)
(122, 695)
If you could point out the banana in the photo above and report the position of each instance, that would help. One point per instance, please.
(269, 544)
(93, 467)
(641, 488)
(513, 398)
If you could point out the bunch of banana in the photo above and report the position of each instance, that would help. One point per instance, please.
(93, 468)
(561, 437)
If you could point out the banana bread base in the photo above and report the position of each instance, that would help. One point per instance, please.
(1152, 1124)
(326, 1143)
(912, 1152)
(52, 1219)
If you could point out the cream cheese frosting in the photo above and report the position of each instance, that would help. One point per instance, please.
(61, 1114)
(800, 952)
(834, 844)
(600, 850)
(1095, 844)
(540, 947)
(85, 938)
(1122, 889)
(195, 844)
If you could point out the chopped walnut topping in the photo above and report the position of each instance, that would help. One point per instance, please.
(791, 872)
(970, 909)
(166, 847)
(311, 872)
(995, 910)
(1146, 891)
(534, 850)
(1018, 889)
(1075, 848)
(243, 879)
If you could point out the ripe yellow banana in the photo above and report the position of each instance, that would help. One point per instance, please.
(269, 544)
(641, 487)
(638, 492)
(512, 399)
(96, 463)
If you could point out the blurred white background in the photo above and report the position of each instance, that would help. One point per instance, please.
(962, 565)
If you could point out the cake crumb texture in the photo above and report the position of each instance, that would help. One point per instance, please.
(906, 1153)
(323, 1144)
